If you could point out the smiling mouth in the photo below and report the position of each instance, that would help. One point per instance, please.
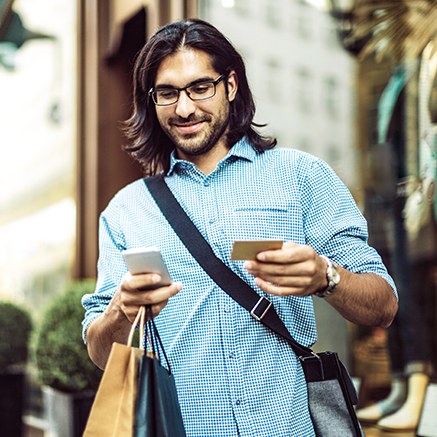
(189, 128)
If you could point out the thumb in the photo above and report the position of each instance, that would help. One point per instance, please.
(290, 245)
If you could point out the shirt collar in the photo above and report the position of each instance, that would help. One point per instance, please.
(240, 150)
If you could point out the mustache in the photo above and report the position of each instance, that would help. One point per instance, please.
(191, 119)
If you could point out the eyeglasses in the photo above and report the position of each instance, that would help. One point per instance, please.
(200, 91)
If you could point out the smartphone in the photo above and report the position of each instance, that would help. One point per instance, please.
(147, 260)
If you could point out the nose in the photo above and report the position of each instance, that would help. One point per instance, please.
(185, 106)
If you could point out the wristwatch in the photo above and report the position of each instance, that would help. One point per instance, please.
(333, 278)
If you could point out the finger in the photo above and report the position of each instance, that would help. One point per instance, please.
(131, 301)
(157, 308)
(135, 282)
(153, 297)
(289, 254)
(277, 290)
(287, 281)
(264, 270)
(257, 268)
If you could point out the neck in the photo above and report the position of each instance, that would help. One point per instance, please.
(207, 162)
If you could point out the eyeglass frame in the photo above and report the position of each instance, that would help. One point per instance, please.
(214, 82)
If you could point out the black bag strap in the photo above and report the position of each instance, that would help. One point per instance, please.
(259, 307)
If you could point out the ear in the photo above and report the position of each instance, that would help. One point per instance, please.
(232, 84)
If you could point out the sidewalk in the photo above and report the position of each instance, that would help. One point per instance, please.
(375, 432)
(369, 431)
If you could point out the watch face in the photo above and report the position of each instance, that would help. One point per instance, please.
(333, 277)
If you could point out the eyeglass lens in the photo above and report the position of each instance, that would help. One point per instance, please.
(200, 91)
(195, 92)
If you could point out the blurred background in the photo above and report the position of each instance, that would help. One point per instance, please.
(348, 81)
(65, 90)
(38, 143)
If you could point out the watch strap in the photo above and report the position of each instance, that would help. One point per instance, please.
(332, 283)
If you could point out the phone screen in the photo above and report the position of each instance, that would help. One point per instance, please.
(147, 260)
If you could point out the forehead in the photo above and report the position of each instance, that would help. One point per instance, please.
(184, 67)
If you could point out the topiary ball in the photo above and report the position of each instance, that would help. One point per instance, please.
(15, 328)
(61, 355)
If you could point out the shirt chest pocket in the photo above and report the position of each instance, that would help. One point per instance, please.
(269, 221)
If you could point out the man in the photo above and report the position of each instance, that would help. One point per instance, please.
(193, 119)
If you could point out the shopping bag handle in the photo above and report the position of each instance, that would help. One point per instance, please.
(140, 319)
(151, 332)
(154, 339)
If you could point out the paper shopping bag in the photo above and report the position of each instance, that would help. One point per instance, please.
(113, 410)
(112, 413)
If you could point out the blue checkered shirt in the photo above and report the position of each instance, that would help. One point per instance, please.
(234, 377)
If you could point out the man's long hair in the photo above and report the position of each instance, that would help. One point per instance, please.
(150, 145)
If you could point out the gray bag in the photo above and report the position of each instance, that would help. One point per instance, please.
(331, 393)
(331, 396)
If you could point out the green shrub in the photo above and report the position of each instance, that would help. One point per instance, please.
(61, 356)
(15, 329)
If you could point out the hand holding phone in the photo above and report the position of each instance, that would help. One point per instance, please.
(147, 260)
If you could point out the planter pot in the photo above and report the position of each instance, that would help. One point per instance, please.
(11, 404)
(66, 414)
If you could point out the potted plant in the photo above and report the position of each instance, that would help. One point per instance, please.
(15, 329)
(69, 377)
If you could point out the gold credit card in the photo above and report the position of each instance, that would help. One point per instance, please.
(242, 250)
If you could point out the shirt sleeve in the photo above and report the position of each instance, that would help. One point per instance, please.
(110, 267)
(335, 226)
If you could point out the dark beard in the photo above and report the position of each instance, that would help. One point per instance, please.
(207, 144)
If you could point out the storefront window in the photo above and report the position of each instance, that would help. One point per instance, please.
(37, 154)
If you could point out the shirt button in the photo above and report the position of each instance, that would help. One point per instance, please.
(238, 402)
(227, 309)
(231, 355)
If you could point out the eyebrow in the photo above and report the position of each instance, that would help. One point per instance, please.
(194, 82)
